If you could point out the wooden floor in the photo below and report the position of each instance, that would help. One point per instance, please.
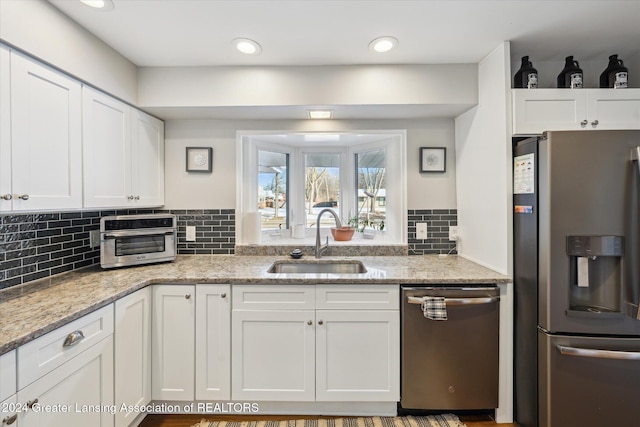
(189, 420)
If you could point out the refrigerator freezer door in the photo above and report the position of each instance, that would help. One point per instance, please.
(588, 381)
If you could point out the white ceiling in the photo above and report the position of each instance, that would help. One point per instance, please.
(332, 32)
(163, 33)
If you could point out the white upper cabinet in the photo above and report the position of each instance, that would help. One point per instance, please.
(538, 110)
(123, 154)
(147, 156)
(41, 148)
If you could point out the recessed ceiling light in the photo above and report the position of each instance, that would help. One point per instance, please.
(383, 44)
(99, 4)
(247, 46)
(320, 114)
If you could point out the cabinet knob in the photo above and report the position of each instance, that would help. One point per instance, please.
(583, 123)
(320, 322)
(130, 197)
(309, 322)
(23, 196)
(9, 420)
(223, 295)
(136, 198)
(187, 296)
(7, 196)
(595, 123)
(31, 403)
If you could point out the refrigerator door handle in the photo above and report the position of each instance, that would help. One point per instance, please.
(599, 354)
(635, 157)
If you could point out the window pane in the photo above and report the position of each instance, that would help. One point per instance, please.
(322, 187)
(273, 189)
(370, 167)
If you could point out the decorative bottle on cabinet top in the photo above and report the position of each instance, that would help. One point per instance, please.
(571, 74)
(615, 75)
(526, 76)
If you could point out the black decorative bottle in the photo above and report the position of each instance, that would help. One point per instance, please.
(527, 76)
(615, 75)
(571, 74)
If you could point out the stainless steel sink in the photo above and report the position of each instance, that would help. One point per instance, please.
(310, 267)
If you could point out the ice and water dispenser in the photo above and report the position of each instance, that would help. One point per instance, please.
(595, 275)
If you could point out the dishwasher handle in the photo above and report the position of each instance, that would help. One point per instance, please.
(458, 301)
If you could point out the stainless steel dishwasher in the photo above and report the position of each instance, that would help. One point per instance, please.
(453, 363)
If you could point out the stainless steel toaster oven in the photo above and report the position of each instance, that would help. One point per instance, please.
(137, 239)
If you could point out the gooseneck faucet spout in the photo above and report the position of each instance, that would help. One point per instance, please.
(319, 246)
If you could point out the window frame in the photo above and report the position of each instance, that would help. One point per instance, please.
(249, 142)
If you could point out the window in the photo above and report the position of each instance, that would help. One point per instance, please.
(287, 180)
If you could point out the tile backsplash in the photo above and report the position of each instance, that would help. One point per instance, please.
(438, 223)
(38, 245)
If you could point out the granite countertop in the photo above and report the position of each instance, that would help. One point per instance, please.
(31, 310)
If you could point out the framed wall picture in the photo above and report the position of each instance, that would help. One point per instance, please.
(199, 159)
(433, 159)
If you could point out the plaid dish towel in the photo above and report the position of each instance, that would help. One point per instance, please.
(434, 308)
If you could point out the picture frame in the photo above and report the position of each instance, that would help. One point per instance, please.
(433, 159)
(199, 159)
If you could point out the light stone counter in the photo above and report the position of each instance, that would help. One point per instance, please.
(31, 310)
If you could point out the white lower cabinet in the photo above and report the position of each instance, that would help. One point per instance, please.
(173, 342)
(9, 411)
(213, 342)
(132, 349)
(78, 393)
(346, 354)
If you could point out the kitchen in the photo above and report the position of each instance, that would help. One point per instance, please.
(484, 238)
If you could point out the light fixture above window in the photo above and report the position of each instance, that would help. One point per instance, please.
(99, 4)
(320, 114)
(247, 46)
(383, 44)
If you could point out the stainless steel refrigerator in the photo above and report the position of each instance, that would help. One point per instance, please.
(577, 279)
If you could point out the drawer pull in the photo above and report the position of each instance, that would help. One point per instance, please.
(30, 403)
(187, 296)
(309, 322)
(9, 420)
(223, 295)
(73, 338)
(320, 322)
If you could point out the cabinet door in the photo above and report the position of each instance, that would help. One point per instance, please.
(80, 389)
(46, 132)
(538, 110)
(172, 342)
(106, 150)
(273, 355)
(148, 159)
(613, 109)
(8, 380)
(213, 342)
(9, 411)
(5, 129)
(132, 353)
(357, 355)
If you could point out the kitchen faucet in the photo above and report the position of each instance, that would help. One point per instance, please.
(320, 247)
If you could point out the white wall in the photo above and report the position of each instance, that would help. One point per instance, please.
(39, 29)
(483, 162)
(218, 190)
(324, 85)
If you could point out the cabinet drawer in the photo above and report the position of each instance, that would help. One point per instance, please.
(365, 297)
(46, 353)
(269, 297)
(7, 374)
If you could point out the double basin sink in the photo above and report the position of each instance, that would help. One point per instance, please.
(318, 267)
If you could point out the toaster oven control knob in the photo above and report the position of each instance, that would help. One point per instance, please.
(7, 196)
